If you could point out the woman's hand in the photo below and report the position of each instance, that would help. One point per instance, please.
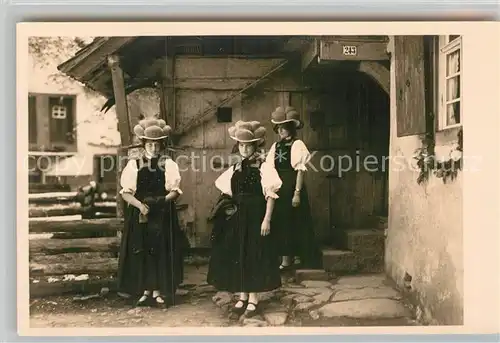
(144, 209)
(296, 199)
(173, 195)
(265, 227)
(152, 201)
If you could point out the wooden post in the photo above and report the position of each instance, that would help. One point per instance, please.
(167, 94)
(163, 108)
(123, 122)
(170, 92)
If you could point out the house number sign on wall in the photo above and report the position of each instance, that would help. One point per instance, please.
(349, 50)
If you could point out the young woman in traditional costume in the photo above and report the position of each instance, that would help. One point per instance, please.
(244, 257)
(151, 253)
(292, 221)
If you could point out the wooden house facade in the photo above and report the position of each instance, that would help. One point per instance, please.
(208, 83)
(363, 100)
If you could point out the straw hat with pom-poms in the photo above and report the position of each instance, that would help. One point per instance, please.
(248, 132)
(286, 114)
(152, 129)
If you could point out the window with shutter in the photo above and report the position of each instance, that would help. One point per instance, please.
(32, 129)
(450, 81)
(61, 119)
(410, 85)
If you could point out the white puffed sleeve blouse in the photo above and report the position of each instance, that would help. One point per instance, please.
(128, 180)
(300, 155)
(270, 181)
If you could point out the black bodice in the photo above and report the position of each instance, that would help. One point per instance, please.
(283, 155)
(246, 178)
(150, 179)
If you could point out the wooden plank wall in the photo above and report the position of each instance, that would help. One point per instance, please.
(199, 84)
(341, 202)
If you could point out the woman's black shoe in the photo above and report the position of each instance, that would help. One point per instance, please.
(252, 313)
(144, 300)
(236, 312)
(162, 303)
(285, 268)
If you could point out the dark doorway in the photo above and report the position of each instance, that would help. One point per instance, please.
(347, 122)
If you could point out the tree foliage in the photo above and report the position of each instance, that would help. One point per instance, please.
(49, 52)
(55, 49)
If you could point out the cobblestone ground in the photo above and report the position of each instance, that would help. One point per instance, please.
(345, 301)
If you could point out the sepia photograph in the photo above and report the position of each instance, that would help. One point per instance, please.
(245, 181)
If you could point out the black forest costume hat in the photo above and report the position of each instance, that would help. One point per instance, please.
(152, 129)
(248, 132)
(285, 115)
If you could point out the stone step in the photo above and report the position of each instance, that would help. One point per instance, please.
(312, 275)
(339, 261)
(366, 242)
(369, 247)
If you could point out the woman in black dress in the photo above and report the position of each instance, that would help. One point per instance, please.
(151, 259)
(292, 221)
(243, 257)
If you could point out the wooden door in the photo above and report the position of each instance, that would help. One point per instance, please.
(347, 123)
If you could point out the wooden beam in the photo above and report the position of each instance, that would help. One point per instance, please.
(311, 55)
(86, 234)
(378, 72)
(121, 99)
(55, 210)
(51, 198)
(44, 288)
(296, 44)
(164, 64)
(64, 246)
(112, 224)
(37, 188)
(169, 89)
(222, 68)
(123, 122)
(336, 49)
(108, 266)
(228, 85)
(86, 60)
(163, 106)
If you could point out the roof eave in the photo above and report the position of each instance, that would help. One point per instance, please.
(92, 57)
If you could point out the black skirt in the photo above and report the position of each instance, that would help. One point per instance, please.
(242, 260)
(151, 254)
(293, 226)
